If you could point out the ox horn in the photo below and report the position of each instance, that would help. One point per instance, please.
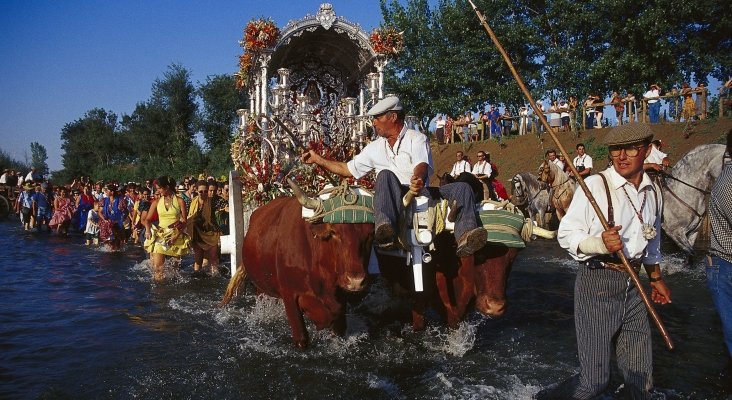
(544, 233)
(305, 200)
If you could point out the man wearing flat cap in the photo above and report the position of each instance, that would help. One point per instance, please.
(608, 310)
(402, 160)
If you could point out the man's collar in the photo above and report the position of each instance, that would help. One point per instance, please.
(616, 180)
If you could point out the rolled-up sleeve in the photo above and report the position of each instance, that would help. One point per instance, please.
(574, 227)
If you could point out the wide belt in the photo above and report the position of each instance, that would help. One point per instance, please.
(612, 263)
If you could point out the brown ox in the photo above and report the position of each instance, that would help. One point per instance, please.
(451, 284)
(306, 265)
(561, 187)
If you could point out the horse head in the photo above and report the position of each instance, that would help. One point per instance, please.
(546, 172)
(519, 197)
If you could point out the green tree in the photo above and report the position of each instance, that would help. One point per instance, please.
(448, 64)
(218, 119)
(90, 143)
(39, 157)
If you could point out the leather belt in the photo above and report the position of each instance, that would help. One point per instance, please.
(612, 263)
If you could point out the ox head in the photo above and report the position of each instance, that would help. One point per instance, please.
(492, 268)
(346, 249)
(342, 248)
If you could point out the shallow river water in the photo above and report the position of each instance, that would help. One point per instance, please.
(87, 324)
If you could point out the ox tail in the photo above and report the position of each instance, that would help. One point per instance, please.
(235, 284)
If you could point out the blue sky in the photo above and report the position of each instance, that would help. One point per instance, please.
(59, 59)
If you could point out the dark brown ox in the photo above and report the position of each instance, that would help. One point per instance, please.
(308, 266)
(453, 285)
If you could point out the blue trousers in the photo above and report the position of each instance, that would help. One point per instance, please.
(653, 111)
(388, 193)
(719, 282)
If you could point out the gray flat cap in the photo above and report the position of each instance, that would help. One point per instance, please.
(388, 103)
(628, 133)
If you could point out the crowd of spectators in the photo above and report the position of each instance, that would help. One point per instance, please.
(111, 214)
(565, 115)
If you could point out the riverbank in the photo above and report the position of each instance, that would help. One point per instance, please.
(524, 153)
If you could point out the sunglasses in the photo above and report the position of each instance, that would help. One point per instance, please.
(630, 151)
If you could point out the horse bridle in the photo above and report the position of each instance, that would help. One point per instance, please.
(706, 193)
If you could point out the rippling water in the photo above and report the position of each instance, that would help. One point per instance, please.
(80, 323)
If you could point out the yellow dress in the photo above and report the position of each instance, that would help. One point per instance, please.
(201, 228)
(159, 242)
(689, 109)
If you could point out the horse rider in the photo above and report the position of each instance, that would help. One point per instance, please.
(608, 310)
(551, 156)
(402, 159)
(656, 160)
(582, 162)
(461, 165)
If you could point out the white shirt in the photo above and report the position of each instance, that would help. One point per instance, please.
(559, 163)
(4, 178)
(482, 168)
(585, 161)
(656, 156)
(410, 149)
(440, 123)
(651, 94)
(460, 167)
(581, 222)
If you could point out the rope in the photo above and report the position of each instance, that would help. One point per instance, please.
(440, 216)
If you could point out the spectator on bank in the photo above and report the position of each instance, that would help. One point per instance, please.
(440, 130)
(590, 112)
(523, 120)
(654, 104)
(599, 110)
(618, 106)
(701, 101)
(688, 112)
(630, 106)
(555, 117)
(564, 115)
(506, 122)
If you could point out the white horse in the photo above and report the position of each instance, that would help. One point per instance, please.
(528, 193)
(686, 193)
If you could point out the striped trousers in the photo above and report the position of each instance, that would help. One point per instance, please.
(388, 193)
(609, 312)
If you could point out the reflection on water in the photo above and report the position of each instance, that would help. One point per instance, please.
(79, 323)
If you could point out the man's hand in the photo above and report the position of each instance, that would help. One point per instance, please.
(415, 185)
(660, 293)
(612, 240)
(310, 157)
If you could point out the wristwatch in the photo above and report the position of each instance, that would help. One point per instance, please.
(652, 279)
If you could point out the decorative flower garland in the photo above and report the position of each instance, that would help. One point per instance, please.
(386, 41)
(263, 180)
(259, 34)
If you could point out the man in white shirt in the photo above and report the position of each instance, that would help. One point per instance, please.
(461, 165)
(402, 160)
(582, 162)
(551, 156)
(4, 177)
(656, 160)
(609, 311)
(484, 172)
(654, 104)
(440, 130)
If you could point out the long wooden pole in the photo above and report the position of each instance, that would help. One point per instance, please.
(590, 198)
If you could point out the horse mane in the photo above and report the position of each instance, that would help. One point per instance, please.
(700, 166)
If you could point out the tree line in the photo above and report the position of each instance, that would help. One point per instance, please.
(560, 47)
(161, 135)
